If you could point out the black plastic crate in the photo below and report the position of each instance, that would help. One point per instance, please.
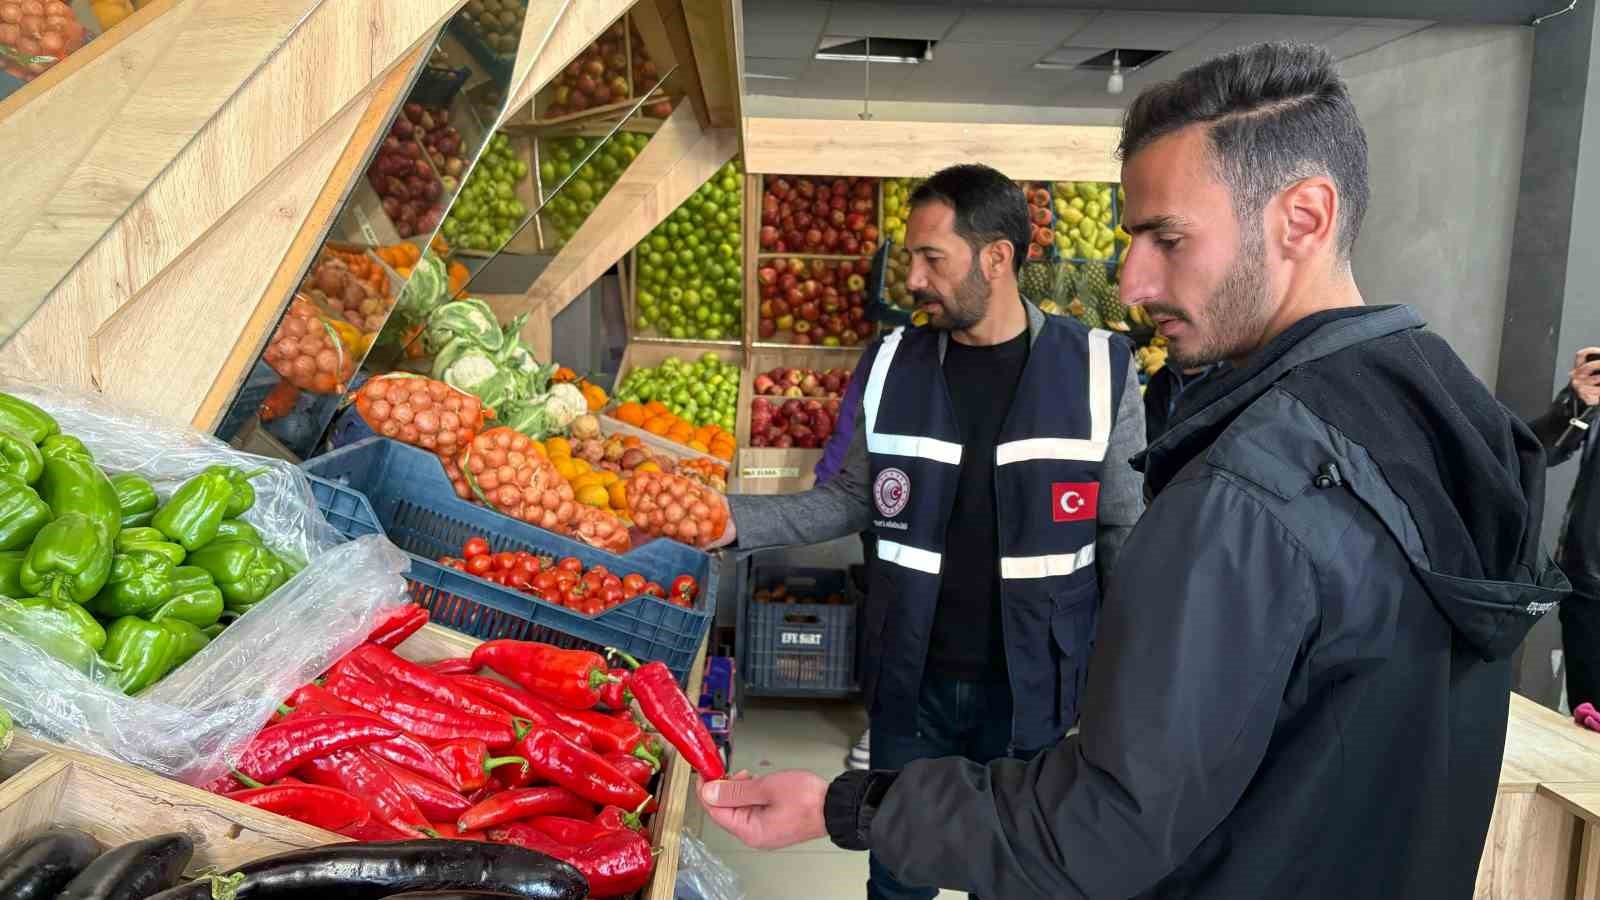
(801, 649)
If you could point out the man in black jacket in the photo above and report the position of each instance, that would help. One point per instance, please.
(1571, 428)
(1300, 681)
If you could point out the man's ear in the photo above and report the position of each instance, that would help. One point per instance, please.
(997, 259)
(1307, 217)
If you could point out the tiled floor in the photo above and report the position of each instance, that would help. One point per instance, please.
(772, 735)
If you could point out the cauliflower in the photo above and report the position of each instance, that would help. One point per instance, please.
(565, 402)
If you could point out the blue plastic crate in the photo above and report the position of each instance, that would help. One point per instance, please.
(409, 498)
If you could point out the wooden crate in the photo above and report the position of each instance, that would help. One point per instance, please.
(45, 784)
(777, 470)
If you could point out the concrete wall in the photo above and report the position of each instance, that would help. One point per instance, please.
(1444, 110)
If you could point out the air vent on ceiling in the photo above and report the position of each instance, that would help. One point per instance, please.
(845, 48)
(1094, 59)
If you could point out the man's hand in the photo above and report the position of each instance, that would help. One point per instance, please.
(1586, 376)
(729, 534)
(770, 812)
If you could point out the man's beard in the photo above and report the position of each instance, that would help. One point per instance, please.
(1233, 319)
(964, 310)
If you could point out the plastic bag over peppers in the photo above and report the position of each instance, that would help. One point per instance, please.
(159, 590)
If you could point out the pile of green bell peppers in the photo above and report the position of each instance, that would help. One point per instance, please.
(101, 574)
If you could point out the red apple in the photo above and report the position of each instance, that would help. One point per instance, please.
(766, 328)
(769, 237)
(808, 312)
(781, 307)
(767, 274)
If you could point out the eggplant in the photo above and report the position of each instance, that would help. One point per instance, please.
(379, 870)
(39, 867)
(133, 871)
(449, 895)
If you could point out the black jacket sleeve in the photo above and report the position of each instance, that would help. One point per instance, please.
(1555, 430)
(1184, 689)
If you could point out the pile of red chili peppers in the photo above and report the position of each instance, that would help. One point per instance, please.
(547, 755)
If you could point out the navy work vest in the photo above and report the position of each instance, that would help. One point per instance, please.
(1047, 480)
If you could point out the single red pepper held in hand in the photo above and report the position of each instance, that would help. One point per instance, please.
(470, 764)
(440, 689)
(360, 774)
(397, 625)
(556, 759)
(521, 703)
(614, 818)
(616, 864)
(279, 749)
(509, 806)
(433, 800)
(637, 770)
(571, 678)
(667, 708)
(323, 807)
(420, 716)
(615, 694)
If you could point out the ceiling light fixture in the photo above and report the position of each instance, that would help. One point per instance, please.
(1114, 82)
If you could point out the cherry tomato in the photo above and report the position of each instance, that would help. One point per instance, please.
(545, 581)
(633, 584)
(613, 581)
(567, 579)
(571, 564)
(654, 590)
(475, 547)
(519, 579)
(599, 570)
(505, 561)
(686, 587)
(528, 565)
(611, 595)
(480, 564)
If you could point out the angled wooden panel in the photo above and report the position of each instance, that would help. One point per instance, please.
(273, 115)
(715, 32)
(678, 159)
(666, 35)
(538, 27)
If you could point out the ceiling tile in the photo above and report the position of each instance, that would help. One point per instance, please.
(1145, 31)
(1242, 31)
(1034, 27)
(840, 79)
(791, 45)
(1361, 38)
(784, 15)
(767, 65)
(890, 20)
(949, 55)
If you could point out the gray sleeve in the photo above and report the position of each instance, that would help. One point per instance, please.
(1160, 761)
(1121, 486)
(836, 509)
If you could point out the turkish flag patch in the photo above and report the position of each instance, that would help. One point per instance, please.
(1074, 502)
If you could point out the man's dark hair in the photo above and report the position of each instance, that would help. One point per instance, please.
(988, 206)
(1277, 113)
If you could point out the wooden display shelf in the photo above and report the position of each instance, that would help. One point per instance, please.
(49, 785)
(780, 470)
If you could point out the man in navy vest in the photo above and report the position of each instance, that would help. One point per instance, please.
(991, 463)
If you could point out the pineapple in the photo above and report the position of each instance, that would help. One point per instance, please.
(1035, 281)
(1100, 294)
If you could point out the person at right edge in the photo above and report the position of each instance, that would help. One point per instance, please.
(1300, 683)
(1571, 425)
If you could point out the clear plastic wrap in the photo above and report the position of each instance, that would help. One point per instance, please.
(701, 876)
(182, 726)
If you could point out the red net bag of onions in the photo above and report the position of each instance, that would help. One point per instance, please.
(502, 470)
(422, 412)
(673, 506)
(599, 528)
(308, 353)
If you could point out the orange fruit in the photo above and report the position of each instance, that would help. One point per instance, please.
(658, 425)
(594, 495)
(619, 495)
(558, 447)
(631, 413)
(699, 447)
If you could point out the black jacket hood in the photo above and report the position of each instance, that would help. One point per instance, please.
(1468, 475)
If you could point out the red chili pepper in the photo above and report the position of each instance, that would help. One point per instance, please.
(460, 665)
(570, 831)
(521, 703)
(571, 678)
(637, 770)
(419, 716)
(361, 774)
(669, 710)
(608, 734)
(470, 764)
(450, 831)
(403, 750)
(433, 799)
(616, 864)
(323, 807)
(615, 694)
(397, 625)
(426, 682)
(279, 749)
(557, 759)
(509, 806)
(614, 818)
(374, 829)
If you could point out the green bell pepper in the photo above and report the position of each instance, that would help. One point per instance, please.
(70, 559)
(213, 630)
(195, 512)
(6, 732)
(139, 534)
(244, 495)
(20, 457)
(72, 483)
(240, 529)
(53, 628)
(22, 513)
(195, 598)
(11, 573)
(137, 498)
(245, 572)
(171, 551)
(139, 583)
(142, 651)
(190, 638)
(33, 423)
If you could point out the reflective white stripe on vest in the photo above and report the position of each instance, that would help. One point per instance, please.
(909, 557)
(1053, 566)
(908, 445)
(1091, 449)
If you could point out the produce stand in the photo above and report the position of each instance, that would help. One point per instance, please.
(45, 784)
